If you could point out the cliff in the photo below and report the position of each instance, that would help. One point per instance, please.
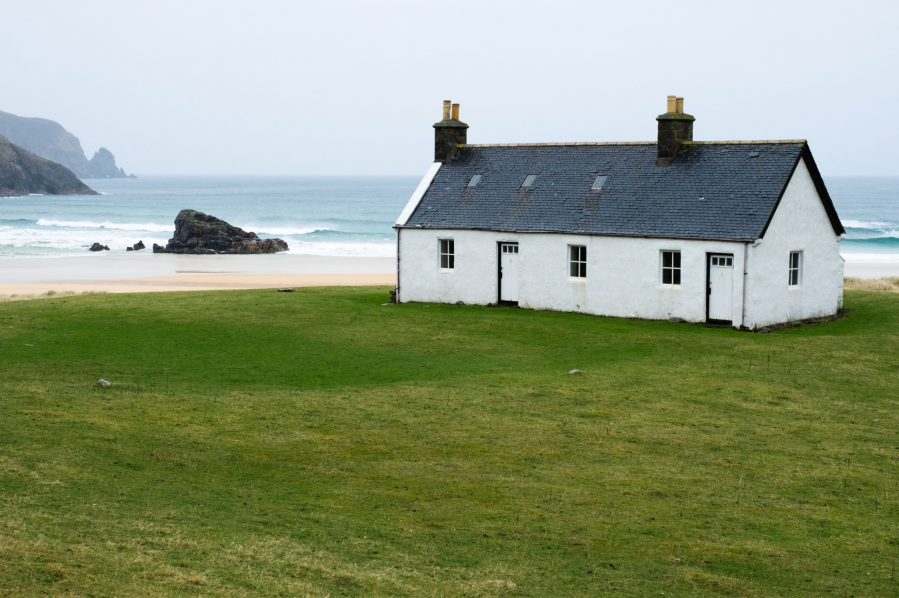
(23, 173)
(48, 139)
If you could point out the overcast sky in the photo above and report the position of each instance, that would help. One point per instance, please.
(279, 87)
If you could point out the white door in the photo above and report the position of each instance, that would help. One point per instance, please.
(508, 272)
(721, 287)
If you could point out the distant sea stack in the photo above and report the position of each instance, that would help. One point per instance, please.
(199, 233)
(48, 139)
(23, 173)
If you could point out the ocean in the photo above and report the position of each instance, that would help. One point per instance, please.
(333, 216)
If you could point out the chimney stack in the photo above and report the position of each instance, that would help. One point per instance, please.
(675, 127)
(449, 133)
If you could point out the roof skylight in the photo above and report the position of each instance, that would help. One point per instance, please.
(599, 182)
(474, 180)
(529, 180)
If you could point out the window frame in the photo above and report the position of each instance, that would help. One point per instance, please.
(794, 272)
(528, 182)
(446, 254)
(674, 268)
(577, 268)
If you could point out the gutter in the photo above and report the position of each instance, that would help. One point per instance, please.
(579, 233)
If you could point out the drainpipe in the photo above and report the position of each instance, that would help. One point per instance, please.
(397, 266)
(745, 279)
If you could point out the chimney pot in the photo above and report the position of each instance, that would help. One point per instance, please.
(455, 111)
(446, 109)
(680, 105)
(672, 104)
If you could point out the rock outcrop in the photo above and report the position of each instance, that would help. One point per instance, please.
(102, 166)
(196, 232)
(23, 173)
(98, 247)
(48, 139)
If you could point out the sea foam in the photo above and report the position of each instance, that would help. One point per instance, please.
(149, 227)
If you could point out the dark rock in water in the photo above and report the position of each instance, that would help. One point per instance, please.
(98, 247)
(196, 232)
(23, 173)
(129, 249)
(139, 245)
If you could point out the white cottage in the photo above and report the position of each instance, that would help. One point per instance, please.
(730, 232)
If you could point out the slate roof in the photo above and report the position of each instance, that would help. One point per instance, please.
(713, 190)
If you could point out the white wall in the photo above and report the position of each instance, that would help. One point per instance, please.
(799, 224)
(623, 273)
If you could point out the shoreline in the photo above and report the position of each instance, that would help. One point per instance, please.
(153, 273)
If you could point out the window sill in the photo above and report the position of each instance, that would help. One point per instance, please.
(669, 286)
(577, 279)
(446, 270)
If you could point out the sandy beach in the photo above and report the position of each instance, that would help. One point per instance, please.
(148, 272)
(871, 269)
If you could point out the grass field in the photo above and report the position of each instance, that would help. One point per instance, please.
(318, 443)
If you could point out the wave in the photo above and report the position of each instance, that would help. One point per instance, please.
(876, 258)
(864, 224)
(149, 227)
(344, 249)
(874, 241)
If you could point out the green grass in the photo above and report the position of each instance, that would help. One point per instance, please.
(318, 443)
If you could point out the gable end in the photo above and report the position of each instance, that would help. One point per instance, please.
(823, 195)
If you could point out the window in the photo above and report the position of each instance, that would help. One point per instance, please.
(510, 248)
(795, 265)
(671, 267)
(529, 180)
(599, 182)
(720, 260)
(447, 254)
(577, 267)
(474, 180)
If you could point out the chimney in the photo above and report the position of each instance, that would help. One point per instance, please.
(675, 127)
(449, 133)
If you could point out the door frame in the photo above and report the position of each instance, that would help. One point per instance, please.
(708, 285)
(499, 272)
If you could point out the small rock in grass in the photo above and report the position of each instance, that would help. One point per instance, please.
(460, 303)
(577, 372)
(104, 383)
(285, 290)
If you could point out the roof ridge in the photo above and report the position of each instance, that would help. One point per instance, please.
(578, 143)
